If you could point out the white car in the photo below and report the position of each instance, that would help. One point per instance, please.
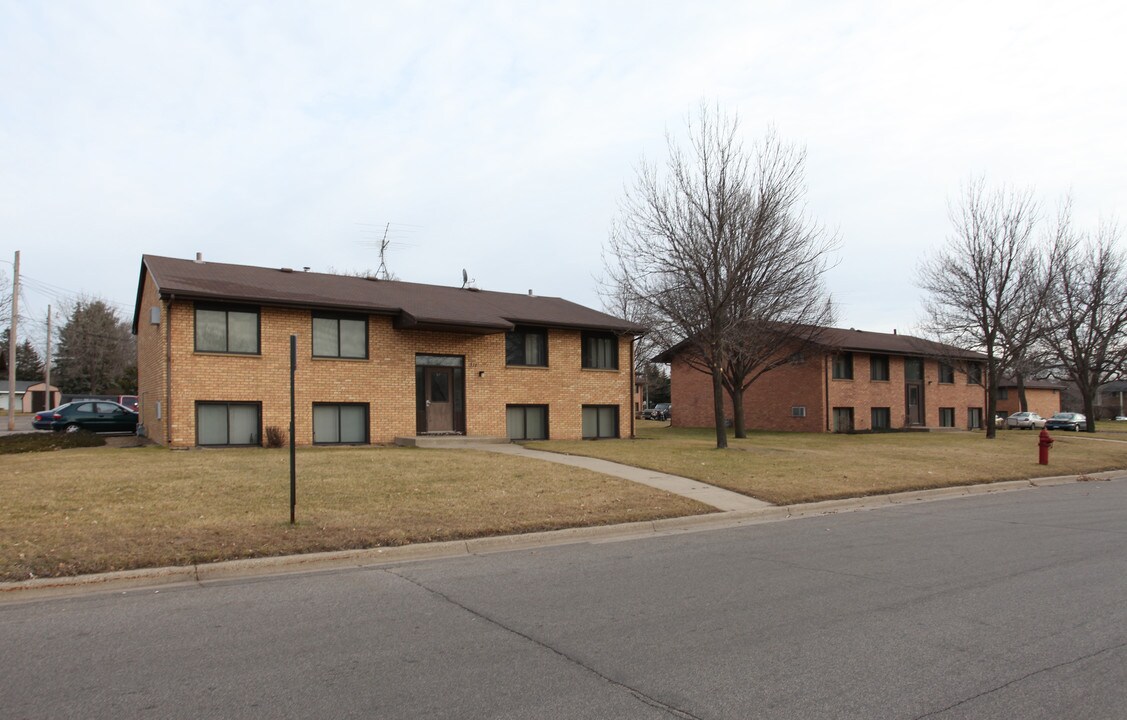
(1025, 421)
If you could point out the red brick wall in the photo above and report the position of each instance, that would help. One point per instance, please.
(386, 380)
(768, 402)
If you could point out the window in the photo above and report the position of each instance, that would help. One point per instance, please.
(798, 411)
(974, 418)
(946, 417)
(1003, 393)
(843, 366)
(843, 419)
(527, 422)
(946, 373)
(600, 421)
(345, 423)
(878, 367)
(222, 423)
(227, 329)
(974, 374)
(796, 358)
(881, 418)
(913, 369)
(526, 346)
(340, 336)
(600, 351)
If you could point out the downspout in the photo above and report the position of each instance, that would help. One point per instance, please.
(168, 370)
(826, 382)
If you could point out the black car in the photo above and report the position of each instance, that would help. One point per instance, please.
(1066, 421)
(92, 415)
(661, 411)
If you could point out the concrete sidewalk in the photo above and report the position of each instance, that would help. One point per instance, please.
(718, 498)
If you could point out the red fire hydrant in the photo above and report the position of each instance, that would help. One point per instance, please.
(1043, 446)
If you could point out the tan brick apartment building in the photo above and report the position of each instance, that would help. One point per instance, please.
(850, 380)
(376, 359)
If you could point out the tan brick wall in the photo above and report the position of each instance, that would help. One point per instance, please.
(768, 402)
(150, 363)
(1043, 401)
(386, 380)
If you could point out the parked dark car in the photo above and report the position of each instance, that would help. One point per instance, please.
(661, 411)
(92, 415)
(1066, 421)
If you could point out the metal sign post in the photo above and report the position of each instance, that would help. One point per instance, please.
(293, 438)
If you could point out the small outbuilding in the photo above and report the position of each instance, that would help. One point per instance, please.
(30, 396)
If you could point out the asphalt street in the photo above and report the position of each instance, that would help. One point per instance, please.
(991, 606)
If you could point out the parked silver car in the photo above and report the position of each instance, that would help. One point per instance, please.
(1025, 421)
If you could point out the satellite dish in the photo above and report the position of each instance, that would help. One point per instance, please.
(465, 277)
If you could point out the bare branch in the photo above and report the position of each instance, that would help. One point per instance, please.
(715, 253)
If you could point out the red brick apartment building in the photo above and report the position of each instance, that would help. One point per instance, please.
(1041, 396)
(376, 359)
(850, 380)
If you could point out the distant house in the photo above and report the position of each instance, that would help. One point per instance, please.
(377, 360)
(31, 396)
(850, 380)
(1111, 401)
(1042, 397)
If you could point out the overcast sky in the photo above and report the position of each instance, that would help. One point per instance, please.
(498, 136)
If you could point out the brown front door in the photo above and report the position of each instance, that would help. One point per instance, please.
(915, 395)
(438, 390)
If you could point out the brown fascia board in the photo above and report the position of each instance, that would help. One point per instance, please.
(442, 308)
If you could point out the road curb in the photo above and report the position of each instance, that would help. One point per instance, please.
(155, 578)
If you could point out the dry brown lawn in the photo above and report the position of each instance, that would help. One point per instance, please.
(785, 468)
(89, 510)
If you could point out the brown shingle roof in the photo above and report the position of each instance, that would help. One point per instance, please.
(870, 342)
(412, 304)
(892, 344)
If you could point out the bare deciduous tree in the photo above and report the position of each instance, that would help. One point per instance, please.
(979, 285)
(1087, 321)
(716, 252)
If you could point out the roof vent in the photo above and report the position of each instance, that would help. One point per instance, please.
(199, 257)
(286, 269)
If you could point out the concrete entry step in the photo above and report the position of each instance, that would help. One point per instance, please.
(449, 441)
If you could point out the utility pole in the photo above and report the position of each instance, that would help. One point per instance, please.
(47, 365)
(12, 345)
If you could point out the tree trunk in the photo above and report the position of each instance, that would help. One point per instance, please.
(1088, 391)
(718, 409)
(991, 394)
(738, 427)
(1023, 403)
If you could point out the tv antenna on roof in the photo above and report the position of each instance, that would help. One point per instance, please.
(382, 273)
